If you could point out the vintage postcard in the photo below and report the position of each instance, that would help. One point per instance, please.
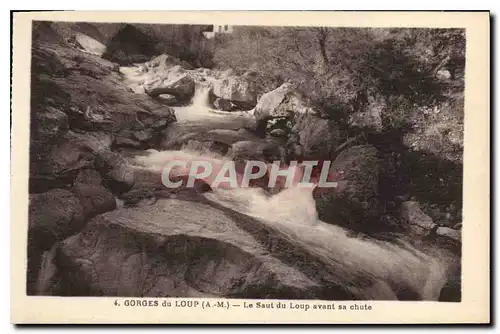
(250, 167)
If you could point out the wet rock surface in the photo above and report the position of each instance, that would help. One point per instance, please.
(101, 226)
(175, 82)
(169, 249)
(356, 205)
(240, 91)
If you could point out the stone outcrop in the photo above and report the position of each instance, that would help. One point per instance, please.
(94, 197)
(221, 138)
(355, 205)
(53, 216)
(450, 233)
(79, 105)
(89, 44)
(174, 81)
(222, 104)
(56, 166)
(175, 248)
(117, 175)
(264, 150)
(239, 90)
(311, 137)
(130, 45)
(281, 102)
(416, 219)
(164, 62)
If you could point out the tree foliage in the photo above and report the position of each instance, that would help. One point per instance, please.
(340, 70)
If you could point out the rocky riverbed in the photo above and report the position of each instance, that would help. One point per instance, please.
(101, 223)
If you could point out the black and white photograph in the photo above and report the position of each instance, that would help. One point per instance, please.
(255, 162)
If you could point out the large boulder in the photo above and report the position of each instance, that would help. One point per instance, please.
(222, 104)
(176, 82)
(80, 92)
(241, 91)
(89, 91)
(129, 45)
(94, 198)
(356, 205)
(56, 166)
(151, 133)
(312, 137)
(89, 44)
(117, 174)
(179, 248)
(162, 62)
(172, 248)
(264, 150)
(47, 126)
(281, 102)
(52, 216)
(449, 233)
(417, 220)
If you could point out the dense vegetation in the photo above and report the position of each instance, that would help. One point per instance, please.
(400, 88)
(347, 70)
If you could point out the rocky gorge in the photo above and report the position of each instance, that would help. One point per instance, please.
(101, 223)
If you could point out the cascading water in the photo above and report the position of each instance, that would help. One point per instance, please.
(293, 213)
(198, 117)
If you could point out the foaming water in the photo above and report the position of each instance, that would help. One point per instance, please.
(293, 213)
(197, 109)
(198, 117)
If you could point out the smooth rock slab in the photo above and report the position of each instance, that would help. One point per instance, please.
(173, 248)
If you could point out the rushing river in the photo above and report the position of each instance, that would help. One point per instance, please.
(293, 213)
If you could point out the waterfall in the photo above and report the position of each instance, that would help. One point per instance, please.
(293, 213)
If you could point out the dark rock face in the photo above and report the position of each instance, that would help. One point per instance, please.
(265, 150)
(94, 198)
(47, 126)
(222, 104)
(356, 205)
(416, 219)
(89, 92)
(172, 248)
(174, 82)
(53, 216)
(117, 175)
(57, 166)
(130, 45)
(241, 91)
(311, 137)
(278, 103)
(220, 139)
(78, 105)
